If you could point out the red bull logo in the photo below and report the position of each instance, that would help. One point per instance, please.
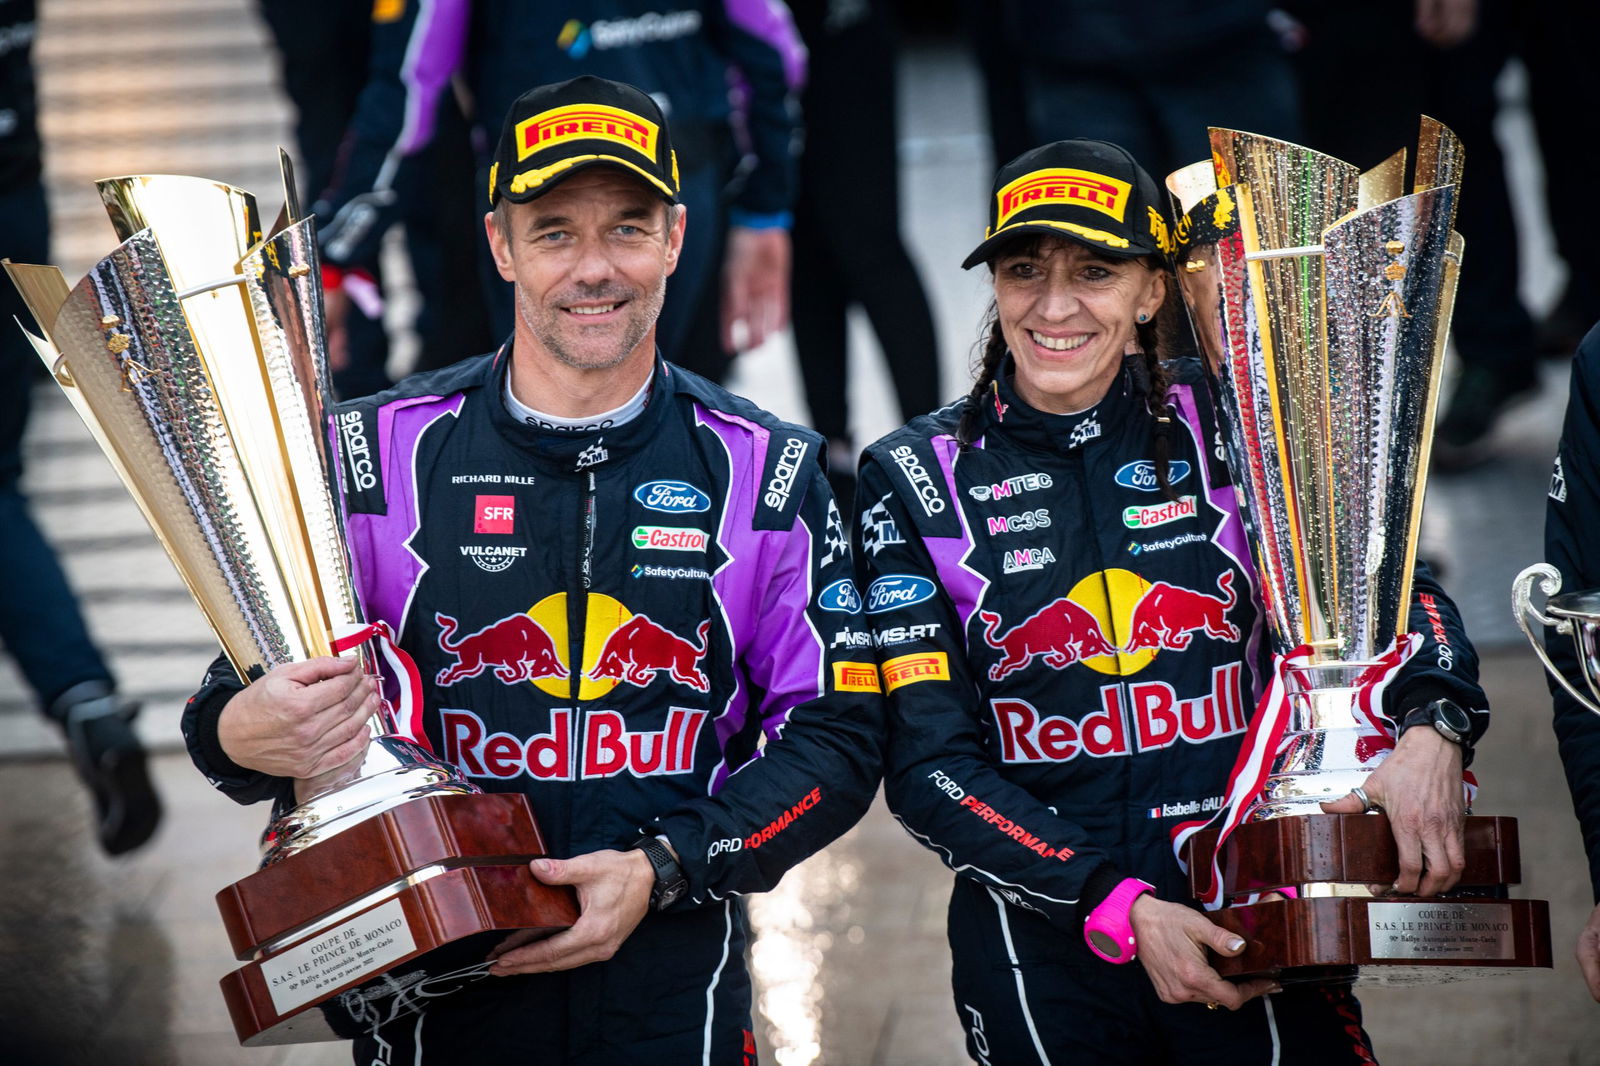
(1168, 616)
(606, 747)
(1112, 621)
(639, 650)
(516, 648)
(618, 647)
(1135, 717)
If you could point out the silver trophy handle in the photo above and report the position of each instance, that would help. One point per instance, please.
(1549, 579)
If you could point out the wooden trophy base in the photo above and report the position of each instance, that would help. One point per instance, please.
(1401, 941)
(434, 872)
(1336, 930)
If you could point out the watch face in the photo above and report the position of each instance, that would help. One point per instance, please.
(1106, 945)
(1454, 718)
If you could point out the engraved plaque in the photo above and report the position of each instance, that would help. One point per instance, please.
(369, 942)
(1440, 929)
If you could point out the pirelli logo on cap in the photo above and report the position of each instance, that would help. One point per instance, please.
(856, 677)
(587, 122)
(909, 669)
(1082, 187)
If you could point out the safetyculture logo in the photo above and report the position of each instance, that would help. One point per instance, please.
(1107, 195)
(586, 122)
(1141, 475)
(619, 647)
(893, 591)
(670, 538)
(576, 39)
(1084, 626)
(673, 497)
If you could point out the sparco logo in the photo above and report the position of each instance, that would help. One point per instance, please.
(357, 455)
(906, 459)
(783, 475)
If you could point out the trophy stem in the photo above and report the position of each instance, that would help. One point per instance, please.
(1329, 747)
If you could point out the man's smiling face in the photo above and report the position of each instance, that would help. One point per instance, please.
(590, 261)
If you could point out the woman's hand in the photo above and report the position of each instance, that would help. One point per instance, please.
(1172, 945)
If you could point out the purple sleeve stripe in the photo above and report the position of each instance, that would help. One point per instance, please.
(387, 570)
(432, 56)
(964, 586)
(737, 509)
(769, 21)
(1229, 535)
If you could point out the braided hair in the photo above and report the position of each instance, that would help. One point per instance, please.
(1149, 373)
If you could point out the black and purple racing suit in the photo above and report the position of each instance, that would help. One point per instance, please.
(1071, 661)
(632, 626)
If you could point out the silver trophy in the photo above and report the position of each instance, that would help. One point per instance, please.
(1321, 299)
(195, 354)
(1570, 614)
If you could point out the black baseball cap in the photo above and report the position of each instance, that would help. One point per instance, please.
(554, 131)
(1089, 191)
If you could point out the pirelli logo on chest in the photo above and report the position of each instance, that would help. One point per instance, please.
(586, 122)
(1081, 187)
(909, 669)
(856, 677)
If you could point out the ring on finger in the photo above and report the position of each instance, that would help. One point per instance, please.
(1368, 805)
(1213, 1006)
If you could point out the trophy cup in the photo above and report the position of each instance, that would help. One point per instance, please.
(1321, 299)
(1571, 614)
(194, 353)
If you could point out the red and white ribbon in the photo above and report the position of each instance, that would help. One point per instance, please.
(1261, 744)
(404, 714)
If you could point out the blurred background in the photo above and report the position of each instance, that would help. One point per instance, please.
(911, 106)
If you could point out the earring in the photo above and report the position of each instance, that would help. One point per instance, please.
(1143, 317)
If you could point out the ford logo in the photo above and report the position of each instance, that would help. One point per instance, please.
(673, 497)
(897, 590)
(840, 596)
(1141, 475)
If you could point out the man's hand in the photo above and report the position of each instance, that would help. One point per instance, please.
(755, 286)
(613, 896)
(1419, 788)
(1172, 945)
(301, 719)
(1588, 953)
(335, 316)
(1446, 23)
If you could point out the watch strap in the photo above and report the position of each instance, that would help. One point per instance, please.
(671, 882)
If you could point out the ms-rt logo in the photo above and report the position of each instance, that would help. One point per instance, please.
(577, 39)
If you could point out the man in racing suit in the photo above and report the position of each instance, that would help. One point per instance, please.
(688, 57)
(629, 616)
(1071, 660)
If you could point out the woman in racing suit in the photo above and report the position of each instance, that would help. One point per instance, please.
(1057, 578)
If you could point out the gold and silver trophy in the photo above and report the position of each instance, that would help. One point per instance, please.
(1320, 297)
(195, 354)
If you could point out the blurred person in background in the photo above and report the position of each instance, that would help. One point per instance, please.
(1441, 58)
(847, 246)
(1021, 551)
(725, 71)
(324, 47)
(1572, 513)
(40, 622)
(1151, 75)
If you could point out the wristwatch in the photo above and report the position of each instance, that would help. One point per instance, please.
(671, 882)
(1108, 930)
(1451, 722)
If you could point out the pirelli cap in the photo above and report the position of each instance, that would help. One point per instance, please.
(1089, 191)
(554, 131)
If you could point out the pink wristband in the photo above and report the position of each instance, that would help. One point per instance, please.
(1108, 930)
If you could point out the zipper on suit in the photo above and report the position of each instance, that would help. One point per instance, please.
(578, 604)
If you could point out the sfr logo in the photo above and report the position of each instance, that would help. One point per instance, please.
(494, 514)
